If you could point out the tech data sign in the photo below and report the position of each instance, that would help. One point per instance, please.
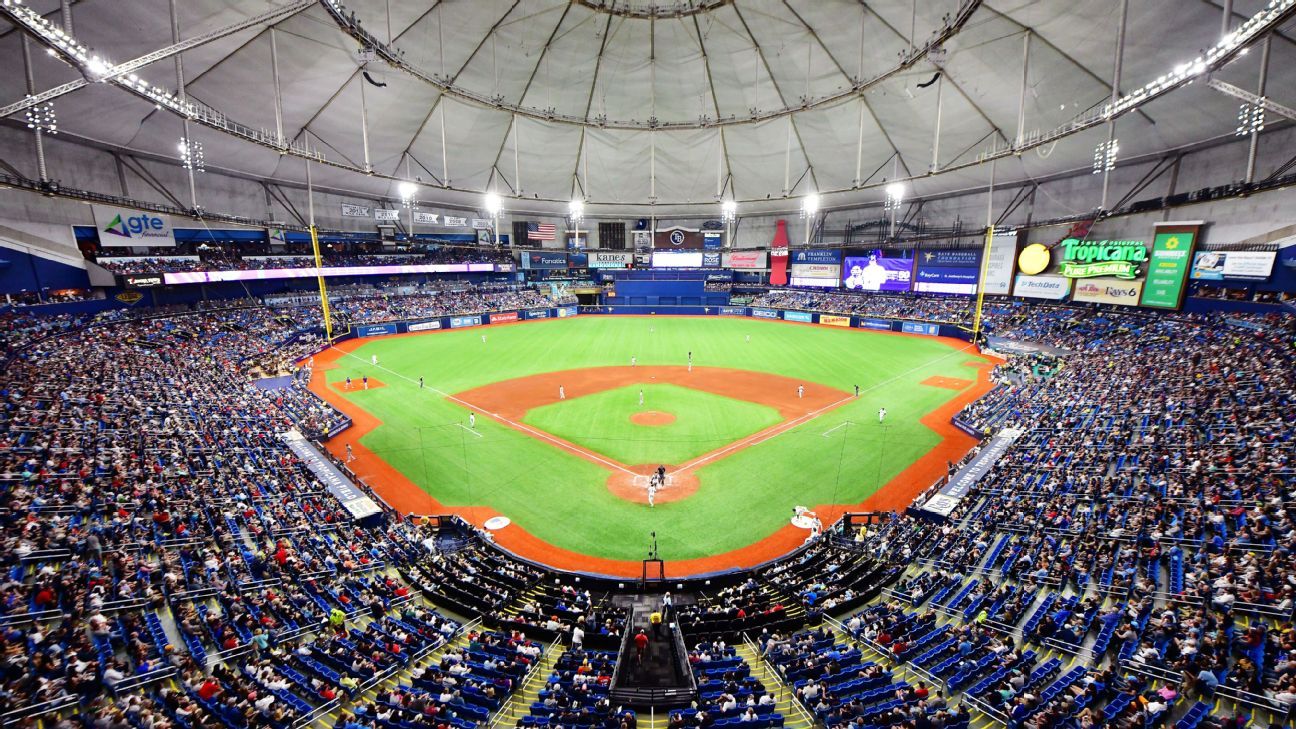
(123, 228)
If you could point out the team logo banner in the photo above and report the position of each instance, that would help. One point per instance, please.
(678, 238)
(122, 228)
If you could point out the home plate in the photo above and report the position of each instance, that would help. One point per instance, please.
(495, 523)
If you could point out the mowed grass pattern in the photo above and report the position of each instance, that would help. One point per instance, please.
(703, 422)
(562, 498)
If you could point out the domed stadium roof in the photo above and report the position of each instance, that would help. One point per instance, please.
(672, 102)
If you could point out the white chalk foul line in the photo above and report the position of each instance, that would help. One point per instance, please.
(519, 426)
(836, 427)
(470, 430)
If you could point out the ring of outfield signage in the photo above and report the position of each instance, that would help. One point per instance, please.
(560, 425)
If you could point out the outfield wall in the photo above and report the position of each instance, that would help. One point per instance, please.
(800, 316)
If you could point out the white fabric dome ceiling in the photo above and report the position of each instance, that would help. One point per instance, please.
(570, 89)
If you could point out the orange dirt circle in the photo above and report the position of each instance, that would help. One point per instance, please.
(652, 418)
(622, 485)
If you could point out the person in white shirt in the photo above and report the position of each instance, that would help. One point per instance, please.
(577, 637)
(881, 415)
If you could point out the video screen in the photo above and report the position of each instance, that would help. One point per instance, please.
(878, 270)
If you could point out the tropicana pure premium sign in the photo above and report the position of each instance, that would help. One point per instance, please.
(1087, 259)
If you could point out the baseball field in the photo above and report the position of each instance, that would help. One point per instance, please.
(557, 425)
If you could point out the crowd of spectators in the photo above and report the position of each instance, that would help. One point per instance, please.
(1142, 524)
(943, 309)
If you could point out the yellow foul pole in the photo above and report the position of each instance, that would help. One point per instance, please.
(980, 300)
(323, 290)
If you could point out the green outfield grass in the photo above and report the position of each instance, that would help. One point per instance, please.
(601, 422)
(841, 456)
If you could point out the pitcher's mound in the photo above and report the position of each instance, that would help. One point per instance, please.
(652, 417)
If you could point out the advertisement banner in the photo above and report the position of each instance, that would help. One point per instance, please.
(385, 214)
(452, 222)
(355, 211)
(1054, 288)
(503, 317)
(948, 271)
(764, 313)
(822, 256)
(266, 274)
(1000, 264)
(375, 330)
(677, 259)
(465, 321)
(122, 227)
(961, 483)
(427, 218)
(712, 239)
(779, 255)
(1167, 272)
(802, 316)
(424, 326)
(537, 314)
(917, 327)
(877, 324)
(142, 281)
(1108, 291)
(745, 259)
(566, 311)
(834, 321)
(877, 270)
(711, 259)
(733, 311)
(544, 260)
(598, 259)
(352, 498)
(1219, 265)
(577, 260)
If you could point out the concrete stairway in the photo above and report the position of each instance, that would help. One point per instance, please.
(794, 715)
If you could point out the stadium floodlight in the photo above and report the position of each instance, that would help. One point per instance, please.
(493, 204)
(895, 193)
(41, 118)
(407, 190)
(576, 210)
(728, 211)
(1104, 159)
(191, 155)
(810, 205)
(1251, 118)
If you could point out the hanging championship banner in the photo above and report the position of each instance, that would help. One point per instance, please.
(386, 214)
(427, 218)
(355, 211)
(456, 222)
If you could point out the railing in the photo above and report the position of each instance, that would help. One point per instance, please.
(770, 673)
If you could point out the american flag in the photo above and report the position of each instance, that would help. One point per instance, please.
(541, 231)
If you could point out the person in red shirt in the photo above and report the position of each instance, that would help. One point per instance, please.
(641, 644)
(209, 689)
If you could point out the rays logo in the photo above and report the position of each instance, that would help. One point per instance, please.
(677, 237)
(136, 226)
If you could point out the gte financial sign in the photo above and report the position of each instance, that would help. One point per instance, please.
(1086, 259)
